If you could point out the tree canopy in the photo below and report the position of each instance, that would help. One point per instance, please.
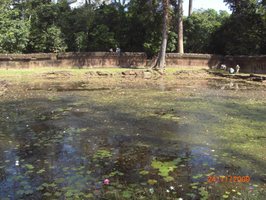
(52, 26)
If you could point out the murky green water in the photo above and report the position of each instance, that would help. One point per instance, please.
(151, 139)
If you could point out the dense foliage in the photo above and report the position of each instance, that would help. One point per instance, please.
(44, 26)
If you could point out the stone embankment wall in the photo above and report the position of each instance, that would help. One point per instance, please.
(248, 64)
(81, 60)
(189, 61)
(84, 60)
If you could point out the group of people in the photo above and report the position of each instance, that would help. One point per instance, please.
(117, 50)
(231, 70)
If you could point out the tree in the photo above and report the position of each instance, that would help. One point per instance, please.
(199, 29)
(14, 32)
(180, 27)
(244, 32)
(190, 8)
(81, 41)
(56, 38)
(102, 39)
(161, 60)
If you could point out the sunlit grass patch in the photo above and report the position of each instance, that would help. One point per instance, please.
(22, 72)
(173, 70)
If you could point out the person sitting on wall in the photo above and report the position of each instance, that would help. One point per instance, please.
(118, 50)
(223, 66)
(237, 69)
(231, 70)
(111, 50)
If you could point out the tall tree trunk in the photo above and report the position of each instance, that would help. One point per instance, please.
(180, 27)
(161, 60)
(190, 8)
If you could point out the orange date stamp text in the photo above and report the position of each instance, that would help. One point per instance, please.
(232, 179)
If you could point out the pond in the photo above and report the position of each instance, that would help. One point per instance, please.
(130, 138)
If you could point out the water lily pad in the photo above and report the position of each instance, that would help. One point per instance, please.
(89, 195)
(45, 185)
(156, 164)
(59, 180)
(58, 194)
(97, 192)
(132, 185)
(27, 187)
(20, 192)
(29, 166)
(168, 178)
(121, 186)
(23, 182)
(152, 181)
(47, 194)
(126, 194)
(144, 172)
(52, 185)
(69, 194)
(40, 188)
(40, 171)
(28, 191)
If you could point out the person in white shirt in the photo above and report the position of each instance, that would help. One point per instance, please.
(231, 70)
(237, 69)
(223, 66)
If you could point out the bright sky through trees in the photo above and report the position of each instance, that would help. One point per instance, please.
(197, 4)
(205, 4)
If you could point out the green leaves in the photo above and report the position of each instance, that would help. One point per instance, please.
(14, 32)
(56, 38)
(102, 39)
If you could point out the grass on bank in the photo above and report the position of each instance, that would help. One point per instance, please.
(15, 72)
(23, 72)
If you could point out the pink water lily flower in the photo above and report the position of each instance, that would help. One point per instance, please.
(106, 181)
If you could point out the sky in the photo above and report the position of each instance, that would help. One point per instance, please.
(197, 4)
